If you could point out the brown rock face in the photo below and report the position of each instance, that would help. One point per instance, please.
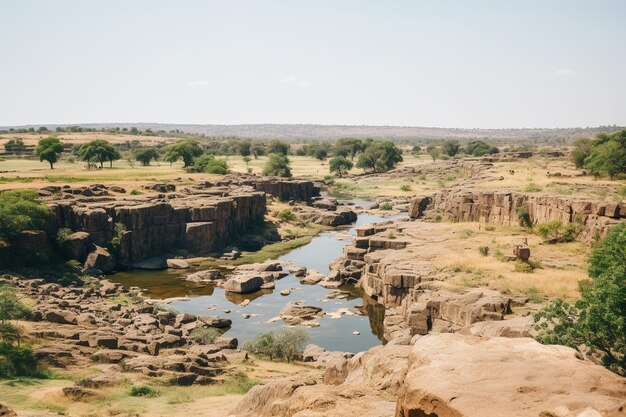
(6, 411)
(500, 208)
(452, 376)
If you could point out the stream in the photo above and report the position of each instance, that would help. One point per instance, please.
(332, 334)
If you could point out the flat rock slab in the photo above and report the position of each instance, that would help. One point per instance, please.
(244, 284)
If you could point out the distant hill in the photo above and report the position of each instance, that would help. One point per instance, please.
(320, 132)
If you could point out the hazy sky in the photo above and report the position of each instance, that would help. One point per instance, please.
(543, 63)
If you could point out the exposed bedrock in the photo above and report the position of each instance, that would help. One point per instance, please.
(447, 375)
(501, 208)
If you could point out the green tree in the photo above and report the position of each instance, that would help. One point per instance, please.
(146, 155)
(49, 149)
(348, 147)
(597, 320)
(257, 150)
(340, 165)
(187, 150)
(15, 145)
(245, 148)
(480, 148)
(433, 151)
(450, 147)
(582, 148)
(286, 343)
(416, 149)
(278, 165)
(11, 308)
(607, 157)
(279, 147)
(98, 150)
(210, 165)
(380, 157)
(321, 153)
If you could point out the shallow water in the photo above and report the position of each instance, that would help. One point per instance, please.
(332, 334)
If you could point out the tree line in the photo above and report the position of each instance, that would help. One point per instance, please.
(603, 156)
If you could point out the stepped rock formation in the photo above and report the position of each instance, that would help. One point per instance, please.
(500, 208)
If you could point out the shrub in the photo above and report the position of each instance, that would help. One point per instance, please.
(405, 187)
(438, 218)
(597, 321)
(21, 210)
(210, 165)
(391, 234)
(527, 267)
(531, 187)
(523, 217)
(550, 231)
(63, 235)
(143, 391)
(278, 165)
(135, 192)
(286, 215)
(204, 335)
(483, 250)
(385, 206)
(340, 165)
(285, 344)
(118, 233)
(164, 308)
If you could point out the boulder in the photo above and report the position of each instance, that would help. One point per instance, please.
(455, 375)
(100, 259)
(312, 352)
(296, 312)
(5, 411)
(298, 271)
(177, 264)
(205, 276)
(61, 317)
(244, 284)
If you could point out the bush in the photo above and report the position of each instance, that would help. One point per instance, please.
(523, 217)
(597, 321)
(164, 308)
(380, 157)
(483, 250)
(405, 187)
(340, 165)
(385, 206)
(527, 267)
(21, 210)
(210, 165)
(204, 336)
(278, 165)
(143, 391)
(531, 187)
(286, 343)
(135, 192)
(18, 361)
(286, 215)
(116, 241)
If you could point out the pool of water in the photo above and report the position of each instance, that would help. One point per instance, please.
(332, 334)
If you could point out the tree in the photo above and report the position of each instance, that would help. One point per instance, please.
(210, 165)
(480, 148)
(15, 145)
(582, 148)
(597, 321)
(185, 149)
(348, 147)
(11, 308)
(450, 147)
(245, 148)
(608, 158)
(21, 210)
(98, 150)
(257, 150)
(321, 153)
(279, 147)
(146, 155)
(49, 149)
(278, 165)
(380, 157)
(416, 149)
(247, 160)
(286, 343)
(433, 151)
(340, 165)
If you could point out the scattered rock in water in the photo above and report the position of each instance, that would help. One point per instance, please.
(274, 319)
(338, 294)
(341, 312)
(356, 333)
(177, 264)
(285, 292)
(268, 286)
(312, 277)
(296, 312)
(227, 311)
(246, 316)
(330, 284)
(244, 284)
(206, 276)
(245, 302)
(298, 271)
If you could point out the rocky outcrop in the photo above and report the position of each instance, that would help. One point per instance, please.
(501, 208)
(286, 189)
(446, 375)
(454, 375)
(244, 284)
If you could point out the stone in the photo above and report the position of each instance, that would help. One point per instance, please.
(61, 317)
(208, 275)
(177, 264)
(100, 259)
(312, 352)
(285, 292)
(298, 271)
(296, 312)
(493, 377)
(243, 284)
(312, 277)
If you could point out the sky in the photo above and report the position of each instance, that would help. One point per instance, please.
(464, 64)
